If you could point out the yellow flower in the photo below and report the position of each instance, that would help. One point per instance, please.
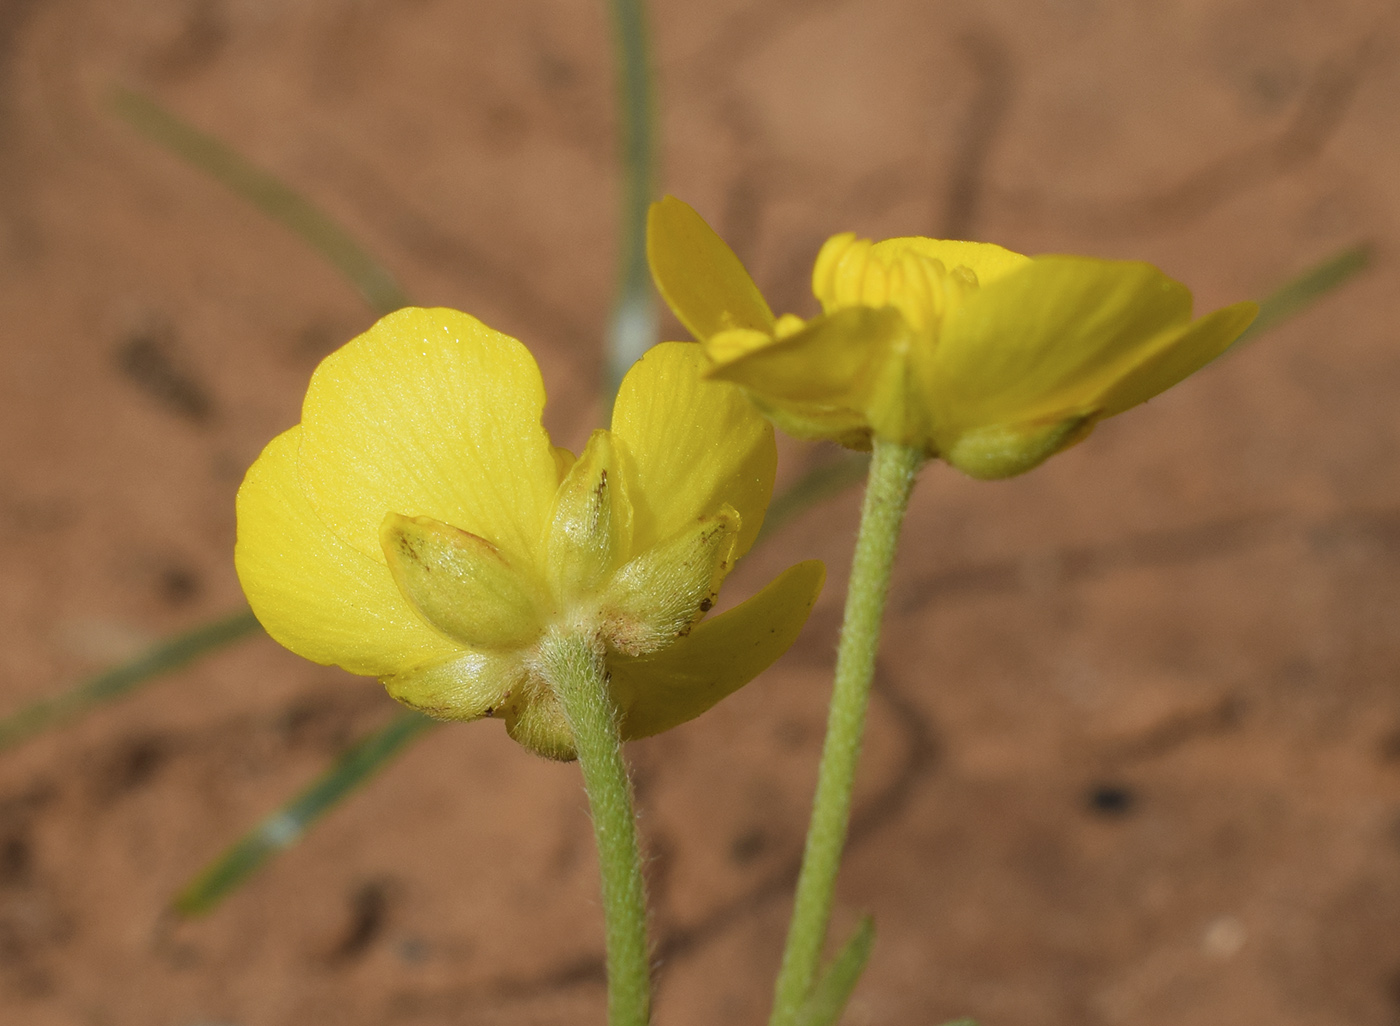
(986, 358)
(419, 527)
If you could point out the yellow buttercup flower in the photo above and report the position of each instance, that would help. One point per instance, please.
(419, 527)
(991, 360)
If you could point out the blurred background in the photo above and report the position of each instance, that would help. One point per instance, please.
(1135, 751)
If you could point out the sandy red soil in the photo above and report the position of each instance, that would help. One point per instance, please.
(1135, 756)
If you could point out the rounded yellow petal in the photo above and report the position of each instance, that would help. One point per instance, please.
(678, 683)
(698, 275)
(692, 446)
(429, 413)
(314, 593)
(1046, 341)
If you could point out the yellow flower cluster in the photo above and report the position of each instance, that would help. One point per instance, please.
(419, 526)
(991, 360)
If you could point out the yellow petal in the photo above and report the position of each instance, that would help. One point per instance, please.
(989, 262)
(563, 460)
(831, 360)
(1047, 339)
(923, 278)
(840, 271)
(895, 405)
(698, 275)
(728, 346)
(1179, 355)
(678, 683)
(429, 413)
(465, 687)
(827, 379)
(314, 593)
(692, 445)
(590, 532)
(462, 584)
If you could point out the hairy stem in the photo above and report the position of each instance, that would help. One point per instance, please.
(892, 471)
(574, 666)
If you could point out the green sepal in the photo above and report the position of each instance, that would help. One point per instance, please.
(590, 530)
(461, 583)
(659, 596)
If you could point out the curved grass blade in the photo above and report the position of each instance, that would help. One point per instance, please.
(813, 488)
(268, 193)
(831, 992)
(161, 658)
(286, 826)
(634, 325)
(1297, 295)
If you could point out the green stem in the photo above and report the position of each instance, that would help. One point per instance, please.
(892, 471)
(574, 667)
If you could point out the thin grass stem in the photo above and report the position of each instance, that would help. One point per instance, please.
(268, 193)
(289, 824)
(164, 657)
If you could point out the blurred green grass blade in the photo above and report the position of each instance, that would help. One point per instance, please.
(1297, 295)
(270, 195)
(634, 325)
(813, 488)
(831, 992)
(286, 826)
(161, 658)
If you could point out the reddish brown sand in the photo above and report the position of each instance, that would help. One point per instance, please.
(1135, 752)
